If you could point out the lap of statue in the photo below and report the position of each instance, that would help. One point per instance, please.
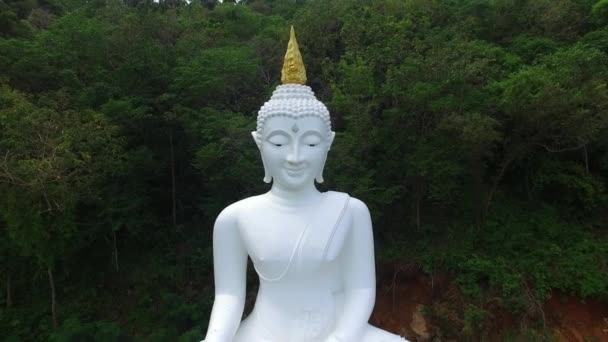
(249, 333)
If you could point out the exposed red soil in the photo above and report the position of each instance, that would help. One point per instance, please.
(406, 296)
(577, 320)
(400, 297)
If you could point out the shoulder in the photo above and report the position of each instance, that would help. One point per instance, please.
(360, 213)
(357, 205)
(357, 208)
(360, 220)
(231, 213)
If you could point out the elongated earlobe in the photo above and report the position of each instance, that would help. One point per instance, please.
(319, 177)
(267, 176)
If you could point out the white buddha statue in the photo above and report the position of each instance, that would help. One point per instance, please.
(313, 251)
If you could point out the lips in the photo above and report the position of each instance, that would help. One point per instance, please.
(294, 171)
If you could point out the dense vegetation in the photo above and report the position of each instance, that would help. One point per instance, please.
(476, 131)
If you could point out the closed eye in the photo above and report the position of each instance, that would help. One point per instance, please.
(278, 138)
(311, 139)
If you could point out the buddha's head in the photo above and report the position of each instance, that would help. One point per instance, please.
(293, 128)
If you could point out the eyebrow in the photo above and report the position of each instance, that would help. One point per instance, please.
(288, 135)
(277, 132)
(313, 132)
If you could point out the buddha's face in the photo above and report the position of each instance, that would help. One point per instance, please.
(294, 149)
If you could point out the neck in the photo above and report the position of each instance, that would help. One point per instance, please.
(300, 197)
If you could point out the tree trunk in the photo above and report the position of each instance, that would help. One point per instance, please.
(418, 200)
(115, 250)
(53, 297)
(173, 205)
(586, 157)
(419, 187)
(527, 183)
(501, 172)
(9, 292)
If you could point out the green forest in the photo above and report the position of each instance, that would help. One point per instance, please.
(475, 130)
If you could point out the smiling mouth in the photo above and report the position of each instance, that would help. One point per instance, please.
(294, 170)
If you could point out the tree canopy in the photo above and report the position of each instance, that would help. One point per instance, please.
(476, 131)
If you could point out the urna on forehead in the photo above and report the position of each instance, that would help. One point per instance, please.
(294, 101)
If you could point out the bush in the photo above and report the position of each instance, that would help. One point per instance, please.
(75, 330)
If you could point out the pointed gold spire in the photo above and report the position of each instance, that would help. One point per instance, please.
(293, 67)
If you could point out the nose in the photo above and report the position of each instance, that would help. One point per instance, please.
(294, 155)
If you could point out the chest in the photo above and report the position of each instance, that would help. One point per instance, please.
(276, 240)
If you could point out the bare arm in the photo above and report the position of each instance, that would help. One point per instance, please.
(359, 277)
(230, 267)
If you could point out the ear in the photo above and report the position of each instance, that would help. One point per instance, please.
(332, 135)
(319, 178)
(258, 142)
(254, 134)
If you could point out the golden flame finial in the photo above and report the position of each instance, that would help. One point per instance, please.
(293, 67)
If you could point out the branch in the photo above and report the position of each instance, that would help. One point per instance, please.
(565, 149)
(7, 177)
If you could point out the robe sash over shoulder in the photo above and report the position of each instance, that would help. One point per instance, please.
(323, 226)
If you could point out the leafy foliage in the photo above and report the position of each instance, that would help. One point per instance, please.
(476, 131)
